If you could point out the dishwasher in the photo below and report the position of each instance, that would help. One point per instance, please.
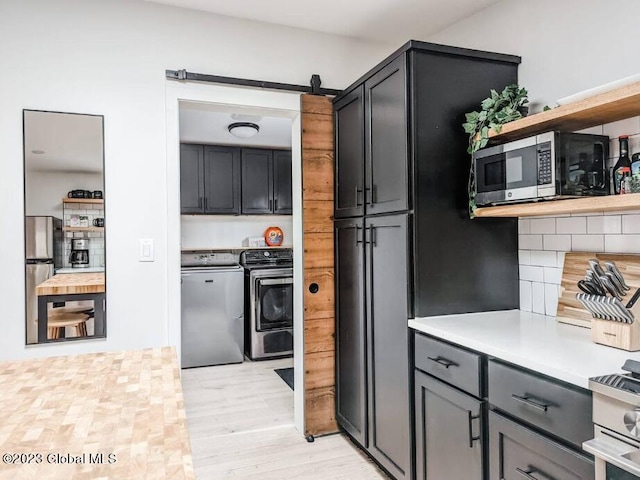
(212, 309)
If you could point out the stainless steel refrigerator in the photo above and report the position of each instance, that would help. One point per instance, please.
(43, 254)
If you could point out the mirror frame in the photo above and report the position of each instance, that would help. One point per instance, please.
(24, 242)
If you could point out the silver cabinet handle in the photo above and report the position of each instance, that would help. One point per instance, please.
(358, 192)
(527, 473)
(444, 362)
(543, 407)
(472, 417)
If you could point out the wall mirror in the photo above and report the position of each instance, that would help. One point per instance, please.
(64, 226)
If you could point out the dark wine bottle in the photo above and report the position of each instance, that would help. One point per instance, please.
(622, 163)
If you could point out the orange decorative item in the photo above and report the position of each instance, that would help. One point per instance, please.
(274, 236)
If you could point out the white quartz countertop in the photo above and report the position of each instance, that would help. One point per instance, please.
(80, 270)
(533, 341)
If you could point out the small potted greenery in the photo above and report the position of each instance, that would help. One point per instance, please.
(496, 110)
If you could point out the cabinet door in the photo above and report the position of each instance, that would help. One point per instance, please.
(191, 178)
(517, 453)
(388, 338)
(387, 155)
(349, 120)
(448, 432)
(222, 180)
(282, 194)
(257, 181)
(351, 364)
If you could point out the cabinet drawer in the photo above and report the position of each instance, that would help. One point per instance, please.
(518, 453)
(454, 365)
(560, 409)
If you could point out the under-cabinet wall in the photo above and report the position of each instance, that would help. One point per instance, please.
(542, 241)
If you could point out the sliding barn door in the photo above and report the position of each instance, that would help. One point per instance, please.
(319, 316)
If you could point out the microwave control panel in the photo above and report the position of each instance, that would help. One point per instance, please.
(545, 174)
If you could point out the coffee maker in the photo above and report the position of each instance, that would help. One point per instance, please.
(79, 257)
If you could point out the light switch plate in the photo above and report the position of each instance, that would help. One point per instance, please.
(146, 253)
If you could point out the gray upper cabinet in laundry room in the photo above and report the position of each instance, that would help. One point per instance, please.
(282, 185)
(257, 181)
(386, 140)
(191, 178)
(349, 125)
(221, 180)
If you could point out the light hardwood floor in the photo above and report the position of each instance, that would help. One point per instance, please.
(240, 420)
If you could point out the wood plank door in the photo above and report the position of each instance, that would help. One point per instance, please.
(319, 308)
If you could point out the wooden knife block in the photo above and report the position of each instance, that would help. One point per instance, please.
(570, 310)
(625, 336)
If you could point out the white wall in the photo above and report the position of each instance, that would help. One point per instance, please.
(566, 46)
(224, 231)
(109, 58)
(45, 190)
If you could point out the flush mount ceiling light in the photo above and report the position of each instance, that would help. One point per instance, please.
(243, 129)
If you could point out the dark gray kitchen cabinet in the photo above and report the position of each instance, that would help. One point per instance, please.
(386, 137)
(449, 425)
(351, 360)
(282, 185)
(387, 276)
(191, 178)
(221, 180)
(372, 347)
(518, 453)
(349, 145)
(257, 181)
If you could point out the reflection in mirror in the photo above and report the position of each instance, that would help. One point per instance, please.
(64, 226)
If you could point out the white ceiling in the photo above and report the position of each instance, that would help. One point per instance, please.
(71, 143)
(392, 21)
(208, 123)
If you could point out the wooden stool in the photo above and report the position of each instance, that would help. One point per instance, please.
(58, 321)
(64, 310)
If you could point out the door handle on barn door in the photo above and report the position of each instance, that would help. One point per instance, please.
(314, 288)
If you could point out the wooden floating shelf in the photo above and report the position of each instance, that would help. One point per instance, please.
(83, 229)
(610, 203)
(611, 106)
(94, 201)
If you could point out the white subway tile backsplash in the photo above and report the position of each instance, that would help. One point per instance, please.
(530, 242)
(628, 126)
(526, 302)
(604, 224)
(524, 226)
(622, 243)
(537, 297)
(630, 224)
(543, 225)
(524, 257)
(571, 225)
(542, 258)
(550, 299)
(557, 242)
(552, 275)
(531, 273)
(587, 243)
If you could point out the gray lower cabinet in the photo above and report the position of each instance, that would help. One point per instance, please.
(449, 426)
(351, 360)
(372, 348)
(518, 453)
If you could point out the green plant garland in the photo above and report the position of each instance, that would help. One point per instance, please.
(496, 110)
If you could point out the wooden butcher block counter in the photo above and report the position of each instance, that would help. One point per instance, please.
(72, 283)
(108, 416)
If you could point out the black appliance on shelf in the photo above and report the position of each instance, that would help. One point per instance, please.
(405, 245)
(79, 194)
(268, 309)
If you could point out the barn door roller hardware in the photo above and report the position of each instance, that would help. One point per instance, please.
(314, 87)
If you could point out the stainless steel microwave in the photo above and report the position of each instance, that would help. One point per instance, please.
(545, 166)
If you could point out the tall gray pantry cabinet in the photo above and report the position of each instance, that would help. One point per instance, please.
(405, 245)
